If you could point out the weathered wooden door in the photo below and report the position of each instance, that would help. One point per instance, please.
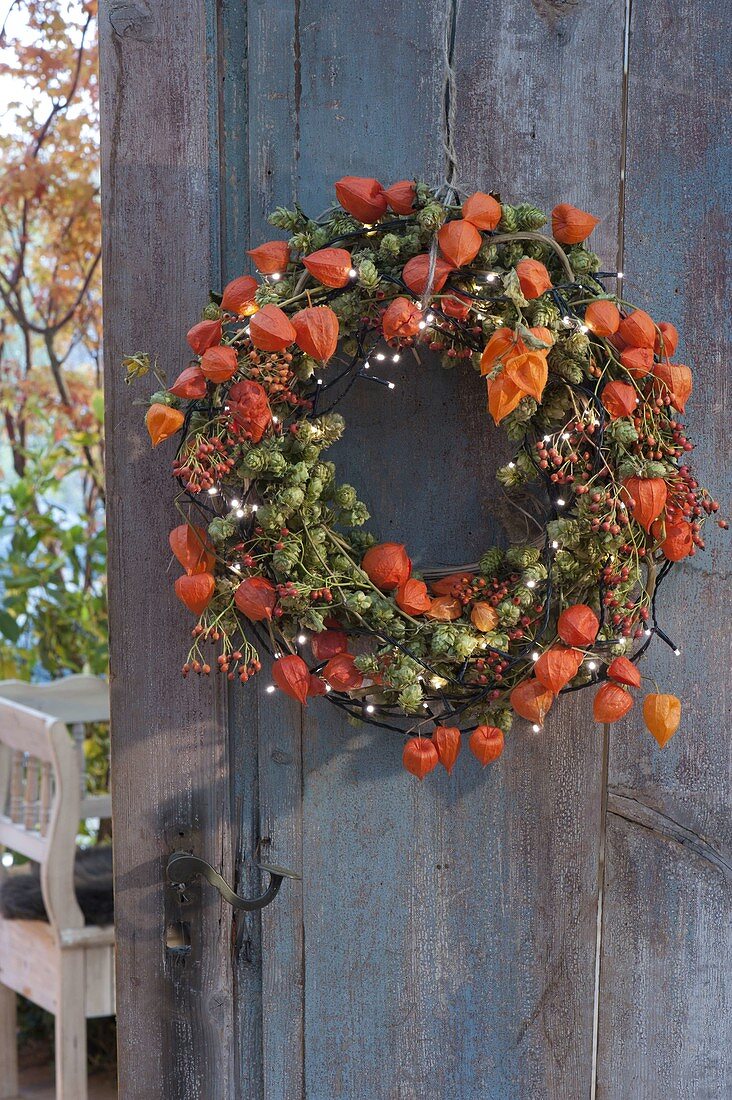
(557, 926)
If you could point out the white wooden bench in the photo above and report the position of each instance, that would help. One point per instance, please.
(61, 965)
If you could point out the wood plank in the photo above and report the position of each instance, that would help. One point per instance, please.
(169, 746)
(665, 1020)
(419, 942)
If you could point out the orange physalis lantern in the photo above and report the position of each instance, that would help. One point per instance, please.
(204, 335)
(667, 340)
(557, 666)
(623, 671)
(219, 364)
(611, 703)
(195, 591)
(192, 548)
(482, 210)
(450, 585)
(662, 715)
(503, 397)
(638, 330)
(190, 383)
(503, 343)
(411, 596)
(330, 266)
(533, 278)
(456, 305)
(162, 422)
(256, 598)
(484, 617)
(270, 258)
(362, 197)
(445, 609)
(529, 371)
(646, 498)
(341, 673)
(400, 196)
(401, 318)
(249, 407)
(676, 381)
(387, 565)
(619, 399)
(448, 742)
(270, 329)
(571, 225)
(316, 686)
(637, 361)
(486, 743)
(238, 296)
(531, 700)
(292, 676)
(459, 242)
(602, 318)
(420, 756)
(316, 331)
(328, 643)
(578, 625)
(417, 269)
(678, 541)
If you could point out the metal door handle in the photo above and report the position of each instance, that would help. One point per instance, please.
(183, 867)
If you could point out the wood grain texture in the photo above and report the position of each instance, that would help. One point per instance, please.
(665, 1013)
(169, 745)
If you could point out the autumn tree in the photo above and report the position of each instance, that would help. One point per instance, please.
(50, 333)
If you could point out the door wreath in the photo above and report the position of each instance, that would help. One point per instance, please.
(273, 547)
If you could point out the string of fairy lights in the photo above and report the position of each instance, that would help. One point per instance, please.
(449, 698)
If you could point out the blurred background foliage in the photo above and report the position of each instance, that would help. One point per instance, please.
(53, 616)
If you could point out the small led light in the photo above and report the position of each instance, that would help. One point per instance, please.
(277, 655)
(647, 632)
(621, 275)
(275, 419)
(240, 512)
(531, 584)
(320, 381)
(512, 465)
(561, 501)
(491, 278)
(422, 324)
(352, 273)
(370, 709)
(547, 438)
(270, 688)
(328, 688)
(430, 318)
(592, 665)
(276, 276)
(536, 728)
(565, 435)
(555, 545)
(391, 385)
(213, 491)
(235, 503)
(255, 507)
(584, 328)
(677, 652)
(395, 358)
(535, 655)
(302, 638)
(8, 859)
(567, 320)
(425, 706)
(380, 356)
(366, 365)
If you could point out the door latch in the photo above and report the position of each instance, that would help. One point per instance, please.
(183, 868)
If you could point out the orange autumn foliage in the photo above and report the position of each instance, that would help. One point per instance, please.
(482, 210)
(459, 242)
(195, 591)
(448, 742)
(330, 266)
(533, 278)
(486, 743)
(571, 225)
(362, 197)
(162, 422)
(420, 756)
(270, 258)
(316, 332)
(270, 329)
(611, 703)
(662, 715)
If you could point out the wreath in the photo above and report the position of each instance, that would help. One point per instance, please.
(274, 549)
